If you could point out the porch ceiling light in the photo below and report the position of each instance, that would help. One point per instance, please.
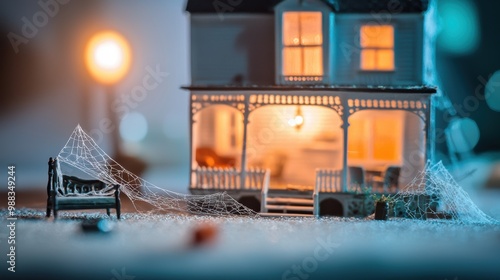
(298, 120)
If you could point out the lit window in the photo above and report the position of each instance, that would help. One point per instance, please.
(377, 47)
(302, 44)
(358, 133)
(386, 138)
(375, 139)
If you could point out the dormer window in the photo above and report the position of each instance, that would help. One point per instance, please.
(377, 47)
(303, 42)
(302, 46)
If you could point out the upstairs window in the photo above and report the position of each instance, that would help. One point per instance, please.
(302, 46)
(377, 47)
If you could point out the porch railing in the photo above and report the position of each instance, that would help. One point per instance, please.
(328, 180)
(230, 178)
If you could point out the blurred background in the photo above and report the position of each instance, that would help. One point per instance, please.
(45, 89)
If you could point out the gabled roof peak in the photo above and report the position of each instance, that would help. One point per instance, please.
(338, 6)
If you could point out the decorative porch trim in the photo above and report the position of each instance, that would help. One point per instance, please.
(330, 101)
(417, 106)
(201, 101)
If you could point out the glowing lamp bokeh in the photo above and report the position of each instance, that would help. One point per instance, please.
(107, 57)
(298, 120)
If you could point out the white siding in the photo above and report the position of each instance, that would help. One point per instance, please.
(408, 30)
(236, 45)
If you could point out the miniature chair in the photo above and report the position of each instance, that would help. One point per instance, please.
(356, 176)
(72, 193)
(390, 179)
(207, 157)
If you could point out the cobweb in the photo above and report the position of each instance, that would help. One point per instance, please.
(435, 193)
(82, 153)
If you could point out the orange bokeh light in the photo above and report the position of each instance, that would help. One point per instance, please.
(107, 57)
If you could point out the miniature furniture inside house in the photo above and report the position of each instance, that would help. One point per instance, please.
(207, 157)
(72, 193)
(389, 181)
(356, 177)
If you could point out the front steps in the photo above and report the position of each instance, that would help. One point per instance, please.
(281, 202)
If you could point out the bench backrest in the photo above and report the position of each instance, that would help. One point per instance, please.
(65, 185)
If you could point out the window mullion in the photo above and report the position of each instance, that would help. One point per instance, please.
(301, 46)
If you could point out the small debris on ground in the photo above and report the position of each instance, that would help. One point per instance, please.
(97, 225)
(204, 233)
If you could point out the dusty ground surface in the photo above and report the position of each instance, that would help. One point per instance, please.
(159, 246)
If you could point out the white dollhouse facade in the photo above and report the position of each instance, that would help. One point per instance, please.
(301, 106)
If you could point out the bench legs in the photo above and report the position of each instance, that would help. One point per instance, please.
(50, 205)
(108, 211)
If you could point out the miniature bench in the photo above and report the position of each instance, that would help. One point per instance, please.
(72, 193)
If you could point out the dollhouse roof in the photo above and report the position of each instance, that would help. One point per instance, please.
(338, 6)
(374, 89)
(369, 6)
(211, 6)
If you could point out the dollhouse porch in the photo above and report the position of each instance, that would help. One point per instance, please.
(307, 150)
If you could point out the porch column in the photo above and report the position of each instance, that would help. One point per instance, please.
(246, 113)
(345, 128)
(430, 133)
(191, 123)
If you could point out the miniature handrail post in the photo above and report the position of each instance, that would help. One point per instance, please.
(246, 114)
(265, 189)
(190, 150)
(317, 187)
(345, 127)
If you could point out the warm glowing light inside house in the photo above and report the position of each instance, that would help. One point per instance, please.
(357, 148)
(387, 139)
(107, 57)
(298, 120)
(375, 138)
(302, 44)
(377, 47)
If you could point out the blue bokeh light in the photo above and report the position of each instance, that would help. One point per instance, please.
(459, 23)
(492, 92)
(133, 127)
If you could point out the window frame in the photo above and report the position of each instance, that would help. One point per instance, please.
(377, 48)
(301, 46)
(327, 17)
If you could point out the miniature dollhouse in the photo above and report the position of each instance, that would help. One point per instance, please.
(304, 106)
